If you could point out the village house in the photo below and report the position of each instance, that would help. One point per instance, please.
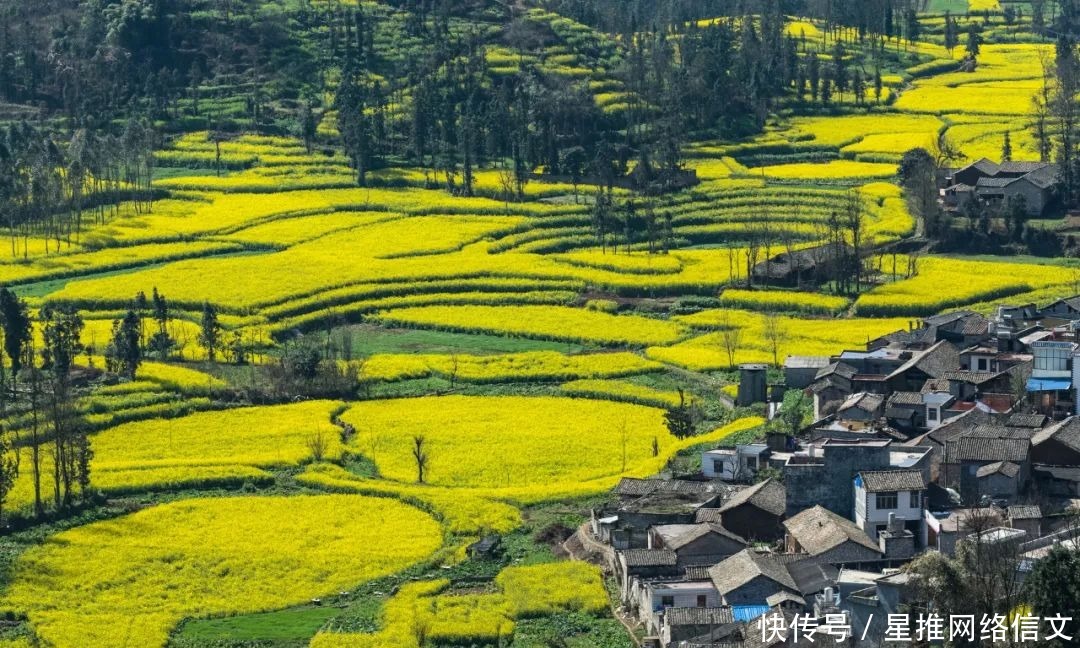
(749, 578)
(829, 538)
(801, 371)
(756, 513)
(644, 503)
(696, 544)
(994, 185)
(991, 467)
(798, 267)
(884, 496)
(738, 464)
(1057, 444)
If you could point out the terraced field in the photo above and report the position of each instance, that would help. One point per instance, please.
(400, 369)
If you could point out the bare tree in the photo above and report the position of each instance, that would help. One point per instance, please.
(730, 337)
(773, 332)
(420, 455)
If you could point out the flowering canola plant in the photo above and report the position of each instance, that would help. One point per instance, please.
(129, 581)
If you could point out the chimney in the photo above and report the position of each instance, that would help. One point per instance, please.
(895, 523)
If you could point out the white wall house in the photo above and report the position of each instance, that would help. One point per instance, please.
(936, 404)
(655, 596)
(734, 464)
(900, 492)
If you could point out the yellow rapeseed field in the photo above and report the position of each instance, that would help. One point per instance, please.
(507, 367)
(549, 322)
(527, 441)
(129, 581)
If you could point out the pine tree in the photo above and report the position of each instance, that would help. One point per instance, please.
(1006, 149)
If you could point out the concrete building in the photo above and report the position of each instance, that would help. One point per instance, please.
(882, 496)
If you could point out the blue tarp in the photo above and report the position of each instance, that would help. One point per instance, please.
(1048, 384)
(747, 613)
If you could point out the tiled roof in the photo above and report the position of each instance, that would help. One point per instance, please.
(1044, 178)
(768, 496)
(875, 481)
(698, 616)
(988, 449)
(632, 487)
(1026, 420)
(1065, 473)
(700, 531)
(1067, 433)
(707, 515)
(933, 362)
(973, 377)
(743, 567)
(839, 368)
(995, 430)
(818, 530)
(697, 572)
(906, 398)
(1007, 468)
(649, 557)
(935, 385)
(1020, 167)
(947, 318)
(994, 183)
(864, 401)
(1025, 512)
(811, 576)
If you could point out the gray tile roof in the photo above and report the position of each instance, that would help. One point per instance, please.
(743, 567)
(1026, 420)
(864, 401)
(973, 377)
(988, 449)
(1065, 473)
(994, 183)
(906, 398)
(818, 530)
(1025, 512)
(875, 481)
(649, 557)
(636, 487)
(839, 368)
(1066, 432)
(700, 531)
(699, 616)
(707, 515)
(1044, 178)
(768, 496)
(811, 576)
(935, 385)
(933, 362)
(1021, 168)
(697, 572)
(1007, 468)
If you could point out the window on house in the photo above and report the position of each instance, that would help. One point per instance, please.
(916, 498)
(667, 601)
(702, 600)
(717, 466)
(751, 463)
(886, 500)
(931, 413)
(982, 364)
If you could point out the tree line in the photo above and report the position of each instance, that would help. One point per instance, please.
(49, 184)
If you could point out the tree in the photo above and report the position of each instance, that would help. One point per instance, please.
(61, 332)
(794, 412)
(951, 37)
(773, 332)
(210, 331)
(1006, 148)
(918, 177)
(123, 355)
(420, 456)
(730, 337)
(974, 40)
(161, 342)
(15, 318)
(680, 419)
(9, 469)
(1054, 587)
